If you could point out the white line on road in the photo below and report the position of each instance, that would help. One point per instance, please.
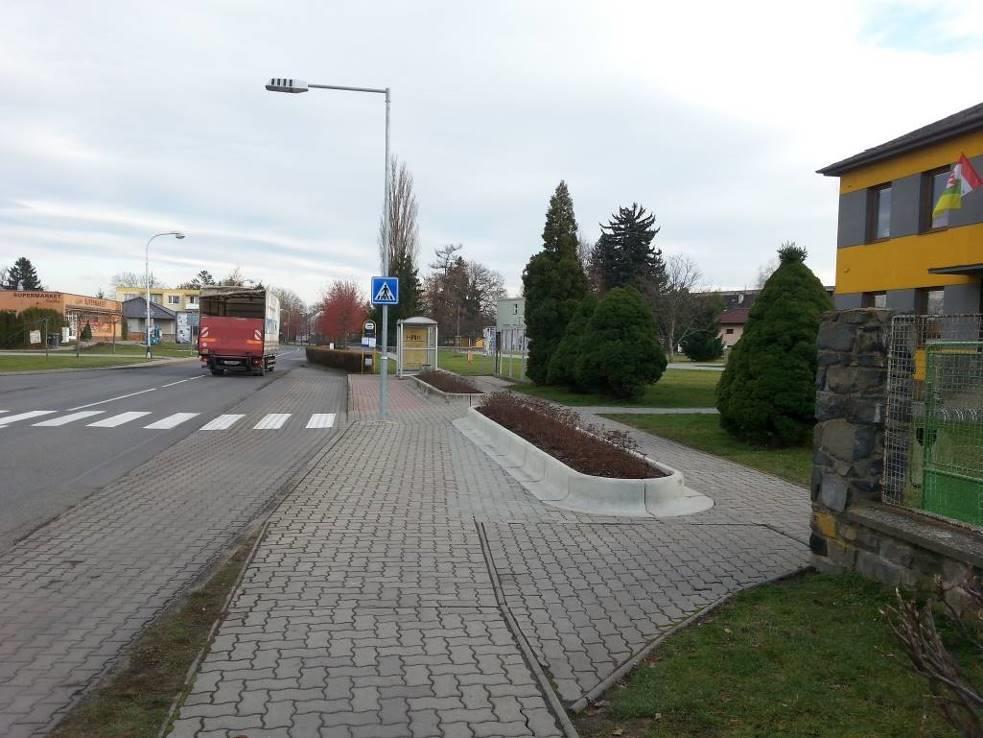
(112, 399)
(117, 420)
(25, 416)
(171, 421)
(222, 422)
(321, 420)
(189, 379)
(66, 419)
(273, 421)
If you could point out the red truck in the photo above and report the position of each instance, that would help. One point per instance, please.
(239, 329)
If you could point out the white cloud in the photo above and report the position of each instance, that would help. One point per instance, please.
(129, 118)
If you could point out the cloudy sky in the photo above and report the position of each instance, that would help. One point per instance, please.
(121, 119)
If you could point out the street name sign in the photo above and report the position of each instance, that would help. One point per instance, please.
(385, 290)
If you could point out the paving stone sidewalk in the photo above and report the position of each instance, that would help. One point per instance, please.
(370, 608)
(76, 592)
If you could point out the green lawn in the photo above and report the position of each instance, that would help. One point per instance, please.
(676, 388)
(704, 432)
(809, 656)
(36, 362)
(131, 349)
(456, 361)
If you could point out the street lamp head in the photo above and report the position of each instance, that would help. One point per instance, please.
(279, 84)
(179, 236)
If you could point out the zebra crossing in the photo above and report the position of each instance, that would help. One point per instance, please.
(143, 419)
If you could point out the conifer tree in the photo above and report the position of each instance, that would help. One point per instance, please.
(767, 393)
(624, 255)
(23, 273)
(553, 284)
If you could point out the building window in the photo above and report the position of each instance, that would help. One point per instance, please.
(930, 301)
(192, 299)
(879, 211)
(728, 331)
(874, 300)
(159, 299)
(515, 309)
(933, 185)
(174, 299)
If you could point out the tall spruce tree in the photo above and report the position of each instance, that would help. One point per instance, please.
(767, 393)
(23, 272)
(553, 284)
(624, 255)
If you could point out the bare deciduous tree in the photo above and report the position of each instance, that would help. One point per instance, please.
(680, 309)
(403, 240)
(132, 279)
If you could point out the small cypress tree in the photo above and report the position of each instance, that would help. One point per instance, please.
(620, 354)
(553, 284)
(702, 345)
(571, 346)
(767, 393)
(87, 332)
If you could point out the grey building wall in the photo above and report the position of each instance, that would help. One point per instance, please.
(848, 301)
(906, 205)
(902, 301)
(851, 229)
(962, 298)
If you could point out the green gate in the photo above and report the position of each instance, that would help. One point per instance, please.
(952, 472)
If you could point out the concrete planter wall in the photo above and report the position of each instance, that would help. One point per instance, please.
(472, 398)
(555, 483)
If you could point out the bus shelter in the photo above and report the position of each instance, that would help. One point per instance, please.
(416, 345)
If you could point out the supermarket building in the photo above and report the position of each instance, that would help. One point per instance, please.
(103, 316)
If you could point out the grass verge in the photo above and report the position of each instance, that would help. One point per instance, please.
(37, 362)
(131, 349)
(676, 388)
(808, 656)
(135, 701)
(456, 361)
(703, 432)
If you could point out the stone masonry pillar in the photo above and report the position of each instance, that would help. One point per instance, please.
(848, 443)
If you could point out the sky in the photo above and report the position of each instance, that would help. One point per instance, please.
(119, 120)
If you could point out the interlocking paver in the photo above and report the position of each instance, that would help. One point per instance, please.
(377, 559)
(77, 591)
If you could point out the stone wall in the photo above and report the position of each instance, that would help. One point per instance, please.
(851, 528)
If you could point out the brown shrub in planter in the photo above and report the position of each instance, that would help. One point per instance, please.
(447, 382)
(350, 361)
(560, 432)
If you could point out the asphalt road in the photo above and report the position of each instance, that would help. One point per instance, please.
(54, 452)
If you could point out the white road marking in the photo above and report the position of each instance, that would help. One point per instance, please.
(222, 422)
(112, 399)
(25, 416)
(321, 420)
(66, 419)
(273, 421)
(182, 380)
(171, 421)
(117, 420)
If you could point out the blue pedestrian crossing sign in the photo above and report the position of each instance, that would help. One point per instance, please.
(385, 290)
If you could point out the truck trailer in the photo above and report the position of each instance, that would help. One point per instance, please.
(239, 329)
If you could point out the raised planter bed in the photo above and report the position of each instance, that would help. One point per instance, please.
(554, 483)
(450, 383)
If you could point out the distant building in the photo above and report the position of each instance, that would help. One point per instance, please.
(182, 302)
(135, 311)
(737, 307)
(511, 313)
(892, 250)
(103, 316)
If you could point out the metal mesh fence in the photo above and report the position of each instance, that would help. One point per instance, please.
(511, 351)
(934, 415)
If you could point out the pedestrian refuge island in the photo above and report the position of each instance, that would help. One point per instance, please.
(416, 345)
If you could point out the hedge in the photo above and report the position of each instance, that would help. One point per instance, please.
(350, 361)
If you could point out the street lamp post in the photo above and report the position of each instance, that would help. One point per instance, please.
(146, 279)
(296, 86)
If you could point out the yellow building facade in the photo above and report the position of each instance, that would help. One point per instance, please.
(891, 251)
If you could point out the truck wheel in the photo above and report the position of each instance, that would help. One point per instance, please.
(217, 372)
